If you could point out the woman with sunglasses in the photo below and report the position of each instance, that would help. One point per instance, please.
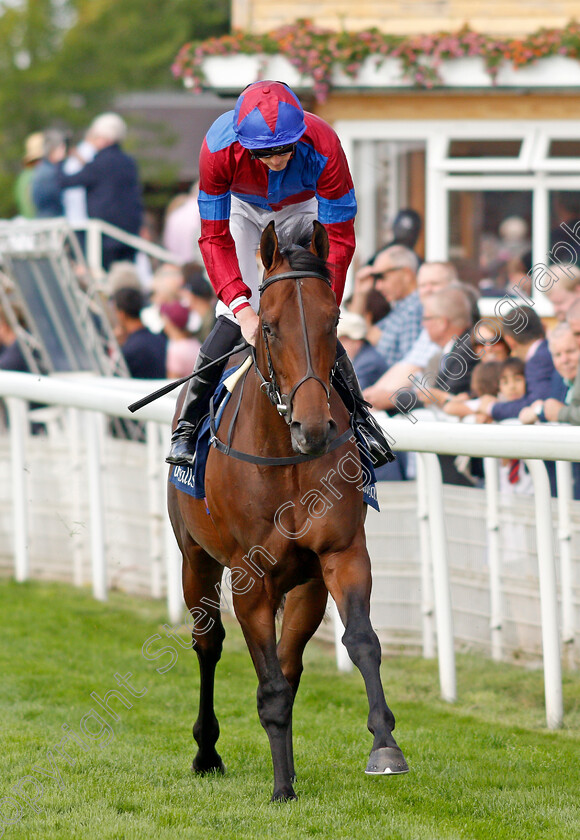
(266, 160)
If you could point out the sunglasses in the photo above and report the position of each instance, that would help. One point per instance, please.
(273, 150)
(381, 274)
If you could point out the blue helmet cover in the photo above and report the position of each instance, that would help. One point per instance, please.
(268, 114)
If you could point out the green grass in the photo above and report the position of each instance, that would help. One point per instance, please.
(484, 768)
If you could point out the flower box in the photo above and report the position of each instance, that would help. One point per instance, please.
(375, 71)
(464, 72)
(553, 71)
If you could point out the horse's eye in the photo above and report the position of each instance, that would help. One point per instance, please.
(267, 329)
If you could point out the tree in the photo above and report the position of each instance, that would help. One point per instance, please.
(63, 61)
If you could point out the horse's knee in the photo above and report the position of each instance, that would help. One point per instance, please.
(209, 645)
(361, 641)
(275, 699)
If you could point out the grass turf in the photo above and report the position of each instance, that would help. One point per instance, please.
(484, 768)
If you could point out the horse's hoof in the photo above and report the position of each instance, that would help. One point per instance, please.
(284, 795)
(204, 770)
(386, 761)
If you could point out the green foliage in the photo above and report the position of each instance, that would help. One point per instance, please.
(484, 767)
(62, 69)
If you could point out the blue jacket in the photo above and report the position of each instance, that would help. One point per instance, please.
(538, 372)
(112, 184)
(45, 191)
(369, 365)
(145, 353)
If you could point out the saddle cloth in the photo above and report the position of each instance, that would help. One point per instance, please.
(191, 480)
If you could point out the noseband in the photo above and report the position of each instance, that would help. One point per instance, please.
(283, 402)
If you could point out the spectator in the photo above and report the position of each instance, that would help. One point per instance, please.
(568, 409)
(375, 307)
(45, 183)
(351, 331)
(112, 185)
(144, 351)
(484, 381)
(565, 350)
(513, 474)
(74, 200)
(33, 153)
(525, 335)
(565, 353)
(487, 340)
(394, 272)
(431, 278)
(166, 287)
(182, 349)
(183, 226)
(11, 356)
(566, 289)
(122, 275)
(406, 230)
(199, 296)
(448, 318)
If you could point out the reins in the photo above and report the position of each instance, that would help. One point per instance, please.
(282, 402)
(262, 460)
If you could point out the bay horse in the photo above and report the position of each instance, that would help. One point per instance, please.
(284, 513)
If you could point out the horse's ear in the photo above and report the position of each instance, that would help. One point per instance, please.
(269, 246)
(319, 244)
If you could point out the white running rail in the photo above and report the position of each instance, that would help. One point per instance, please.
(532, 443)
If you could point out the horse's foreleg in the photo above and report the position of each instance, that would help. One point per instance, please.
(256, 612)
(201, 573)
(347, 575)
(303, 611)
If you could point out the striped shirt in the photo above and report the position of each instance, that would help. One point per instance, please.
(400, 329)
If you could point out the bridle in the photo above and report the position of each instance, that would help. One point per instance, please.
(283, 402)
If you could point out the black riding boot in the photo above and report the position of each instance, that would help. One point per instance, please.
(346, 383)
(221, 340)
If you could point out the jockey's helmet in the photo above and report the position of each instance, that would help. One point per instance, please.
(268, 114)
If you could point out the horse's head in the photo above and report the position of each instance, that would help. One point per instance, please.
(297, 345)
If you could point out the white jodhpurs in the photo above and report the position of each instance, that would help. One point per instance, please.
(247, 223)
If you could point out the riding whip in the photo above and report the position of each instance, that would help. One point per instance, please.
(172, 385)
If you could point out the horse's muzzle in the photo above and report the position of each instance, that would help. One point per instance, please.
(312, 439)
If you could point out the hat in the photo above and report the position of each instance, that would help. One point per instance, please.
(176, 312)
(352, 326)
(33, 147)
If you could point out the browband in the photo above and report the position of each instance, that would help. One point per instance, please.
(292, 275)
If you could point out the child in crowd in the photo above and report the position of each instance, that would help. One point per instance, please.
(484, 380)
(513, 475)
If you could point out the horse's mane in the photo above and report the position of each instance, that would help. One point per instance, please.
(294, 242)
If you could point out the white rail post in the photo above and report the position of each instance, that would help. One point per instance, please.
(94, 247)
(74, 429)
(343, 660)
(441, 585)
(18, 423)
(564, 483)
(548, 595)
(156, 479)
(427, 604)
(96, 505)
(491, 470)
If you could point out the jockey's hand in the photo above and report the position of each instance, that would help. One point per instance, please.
(248, 321)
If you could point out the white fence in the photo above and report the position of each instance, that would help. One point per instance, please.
(81, 505)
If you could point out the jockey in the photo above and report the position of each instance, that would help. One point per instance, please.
(266, 160)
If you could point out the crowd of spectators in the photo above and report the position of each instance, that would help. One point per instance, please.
(412, 329)
(439, 354)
